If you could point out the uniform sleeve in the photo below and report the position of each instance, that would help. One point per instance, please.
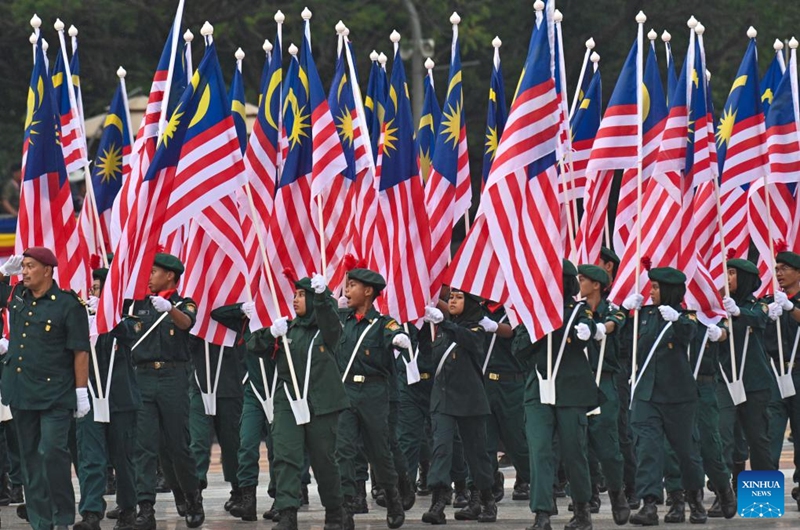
(229, 316)
(756, 316)
(189, 308)
(522, 348)
(685, 328)
(584, 316)
(327, 319)
(77, 325)
(618, 318)
(261, 342)
(467, 338)
(391, 329)
(5, 292)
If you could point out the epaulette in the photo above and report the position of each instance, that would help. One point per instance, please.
(76, 295)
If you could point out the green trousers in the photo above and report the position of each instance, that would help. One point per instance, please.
(651, 423)
(753, 417)
(504, 424)
(734, 444)
(46, 466)
(710, 442)
(101, 445)
(253, 429)
(291, 441)
(164, 417)
(226, 426)
(473, 437)
(542, 424)
(604, 435)
(624, 428)
(9, 462)
(781, 412)
(367, 422)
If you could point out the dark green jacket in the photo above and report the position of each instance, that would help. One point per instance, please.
(231, 371)
(458, 389)
(44, 334)
(753, 321)
(125, 395)
(605, 312)
(668, 378)
(575, 386)
(167, 342)
(789, 329)
(375, 356)
(502, 360)
(425, 365)
(709, 366)
(325, 389)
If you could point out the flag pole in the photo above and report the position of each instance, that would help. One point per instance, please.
(36, 23)
(641, 18)
(188, 37)
(176, 27)
(586, 56)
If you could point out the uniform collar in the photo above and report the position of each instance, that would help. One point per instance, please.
(51, 293)
(371, 314)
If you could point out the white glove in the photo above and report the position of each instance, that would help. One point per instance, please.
(249, 309)
(161, 304)
(279, 327)
(92, 303)
(3, 346)
(488, 325)
(634, 301)
(714, 333)
(583, 331)
(433, 315)
(402, 341)
(600, 333)
(783, 300)
(83, 402)
(12, 266)
(730, 306)
(318, 283)
(667, 313)
(342, 301)
(775, 310)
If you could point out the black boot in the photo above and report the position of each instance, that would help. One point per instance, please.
(435, 514)
(180, 501)
(697, 512)
(360, 498)
(334, 518)
(633, 500)
(111, 482)
(114, 513)
(727, 501)
(406, 491)
(619, 507)
(22, 512)
(522, 491)
(473, 509)
(288, 520)
(554, 511)
(379, 496)
(677, 508)
(195, 515)
(126, 519)
(146, 520)
(89, 521)
(16, 496)
(5, 491)
(422, 483)
(738, 467)
(461, 496)
(161, 482)
(716, 509)
(582, 520)
(595, 502)
(499, 486)
(348, 522)
(648, 515)
(395, 516)
(234, 499)
(270, 514)
(304, 495)
(488, 507)
(245, 509)
(541, 522)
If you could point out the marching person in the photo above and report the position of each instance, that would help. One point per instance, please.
(158, 334)
(44, 381)
(575, 394)
(365, 357)
(101, 444)
(458, 401)
(664, 395)
(313, 336)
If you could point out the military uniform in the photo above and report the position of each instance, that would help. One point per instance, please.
(38, 384)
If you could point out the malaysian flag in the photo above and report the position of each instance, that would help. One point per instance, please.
(236, 98)
(773, 76)
(428, 125)
(198, 163)
(513, 252)
(672, 76)
(46, 216)
(496, 115)
(73, 142)
(448, 192)
(375, 101)
(402, 235)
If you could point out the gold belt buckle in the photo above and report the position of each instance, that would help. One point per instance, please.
(424, 376)
(359, 378)
(157, 365)
(494, 377)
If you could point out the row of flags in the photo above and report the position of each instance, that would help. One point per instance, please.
(327, 175)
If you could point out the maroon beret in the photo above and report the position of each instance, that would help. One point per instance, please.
(43, 255)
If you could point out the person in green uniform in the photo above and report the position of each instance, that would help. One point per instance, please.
(749, 321)
(101, 444)
(157, 332)
(707, 341)
(786, 310)
(603, 427)
(313, 337)
(575, 394)
(365, 357)
(664, 395)
(45, 375)
(459, 401)
(226, 382)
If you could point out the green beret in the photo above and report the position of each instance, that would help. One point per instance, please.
(305, 284)
(606, 254)
(100, 274)
(569, 268)
(744, 265)
(667, 275)
(168, 262)
(109, 257)
(368, 277)
(594, 273)
(788, 258)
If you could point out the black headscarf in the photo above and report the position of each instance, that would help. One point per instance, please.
(571, 286)
(473, 311)
(746, 284)
(671, 294)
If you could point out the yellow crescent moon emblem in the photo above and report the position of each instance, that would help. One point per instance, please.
(645, 103)
(202, 107)
(341, 86)
(393, 97)
(113, 119)
(740, 81)
(274, 81)
(34, 99)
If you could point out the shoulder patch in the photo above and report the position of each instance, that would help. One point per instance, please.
(692, 317)
(589, 314)
(392, 325)
(764, 308)
(191, 307)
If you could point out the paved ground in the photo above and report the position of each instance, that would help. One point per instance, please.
(511, 514)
